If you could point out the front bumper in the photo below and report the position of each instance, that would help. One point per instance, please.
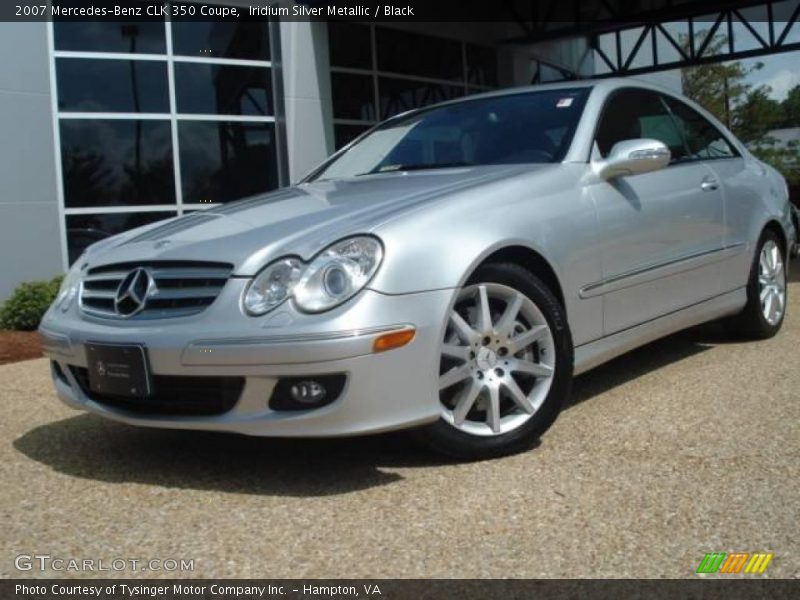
(384, 391)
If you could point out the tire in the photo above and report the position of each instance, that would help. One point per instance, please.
(753, 322)
(501, 421)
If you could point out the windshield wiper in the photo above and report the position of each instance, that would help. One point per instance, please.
(416, 167)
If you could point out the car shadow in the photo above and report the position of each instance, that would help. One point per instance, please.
(648, 358)
(90, 447)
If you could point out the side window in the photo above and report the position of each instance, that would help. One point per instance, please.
(632, 114)
(704, 141)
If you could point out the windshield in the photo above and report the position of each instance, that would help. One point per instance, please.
(530, 127)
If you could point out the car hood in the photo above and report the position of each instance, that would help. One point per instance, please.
(299, 220)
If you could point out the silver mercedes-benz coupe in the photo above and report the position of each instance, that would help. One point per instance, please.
(449, 272)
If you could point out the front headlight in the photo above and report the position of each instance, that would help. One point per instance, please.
(338, 273)
(334, 276)
(273, 285)
(69, 288)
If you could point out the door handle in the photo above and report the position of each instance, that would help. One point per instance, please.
(709, 184)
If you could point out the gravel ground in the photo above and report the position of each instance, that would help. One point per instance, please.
(689, 445)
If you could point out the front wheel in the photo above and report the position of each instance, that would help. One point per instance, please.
(505, 365)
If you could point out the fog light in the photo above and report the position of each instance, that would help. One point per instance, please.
(308, 392)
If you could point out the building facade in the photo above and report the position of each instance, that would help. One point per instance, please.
(114, 125)
(111, 125)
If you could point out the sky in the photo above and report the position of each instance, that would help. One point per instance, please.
(781, 72)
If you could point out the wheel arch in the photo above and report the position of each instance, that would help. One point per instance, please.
(777, 229)
(530, 260)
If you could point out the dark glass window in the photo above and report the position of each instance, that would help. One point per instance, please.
(400, 95)
(244, 40)
(349, 45)
(417, 54)
(634, 114)
(226, 161)
(353, 96)
(85, 230)
(223, 89)
(481, 65)
(344, 134)
(104, 36)
(112, 85)
(704, 141)
(116, 162)
(533, 127)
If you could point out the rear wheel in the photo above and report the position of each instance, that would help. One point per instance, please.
(505, 365)
(762, 317)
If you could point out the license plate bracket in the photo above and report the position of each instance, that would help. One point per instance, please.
(119, 370)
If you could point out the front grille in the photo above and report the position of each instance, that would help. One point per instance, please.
(173, 395)
(179, 289)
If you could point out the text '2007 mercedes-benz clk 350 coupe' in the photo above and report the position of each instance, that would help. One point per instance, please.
(449, 272)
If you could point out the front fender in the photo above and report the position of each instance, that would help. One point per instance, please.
(439, 246)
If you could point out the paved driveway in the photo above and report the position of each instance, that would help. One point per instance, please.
(689, 445)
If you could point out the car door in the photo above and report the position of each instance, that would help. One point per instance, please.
(740, 184)
(660, 231)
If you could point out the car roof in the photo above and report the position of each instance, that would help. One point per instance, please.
(605, 84)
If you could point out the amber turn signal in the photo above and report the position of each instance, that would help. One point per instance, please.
(395, 339)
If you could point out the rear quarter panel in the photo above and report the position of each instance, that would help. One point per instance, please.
(755, 194)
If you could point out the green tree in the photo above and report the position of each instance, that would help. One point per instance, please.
(722, 89)
(756, 114)
(785, 158)
(717, 87)
(791, 108)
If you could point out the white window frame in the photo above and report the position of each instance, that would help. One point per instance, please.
(173, 117)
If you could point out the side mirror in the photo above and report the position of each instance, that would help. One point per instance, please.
(631, 157)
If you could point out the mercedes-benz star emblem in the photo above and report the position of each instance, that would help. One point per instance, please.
(133, 291)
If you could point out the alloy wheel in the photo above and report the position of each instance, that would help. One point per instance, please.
(497, 360)
(772, 282)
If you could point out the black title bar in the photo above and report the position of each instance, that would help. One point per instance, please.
(530, 15)
(384, 589)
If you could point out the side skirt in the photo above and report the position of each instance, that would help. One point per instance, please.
(596, 353)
